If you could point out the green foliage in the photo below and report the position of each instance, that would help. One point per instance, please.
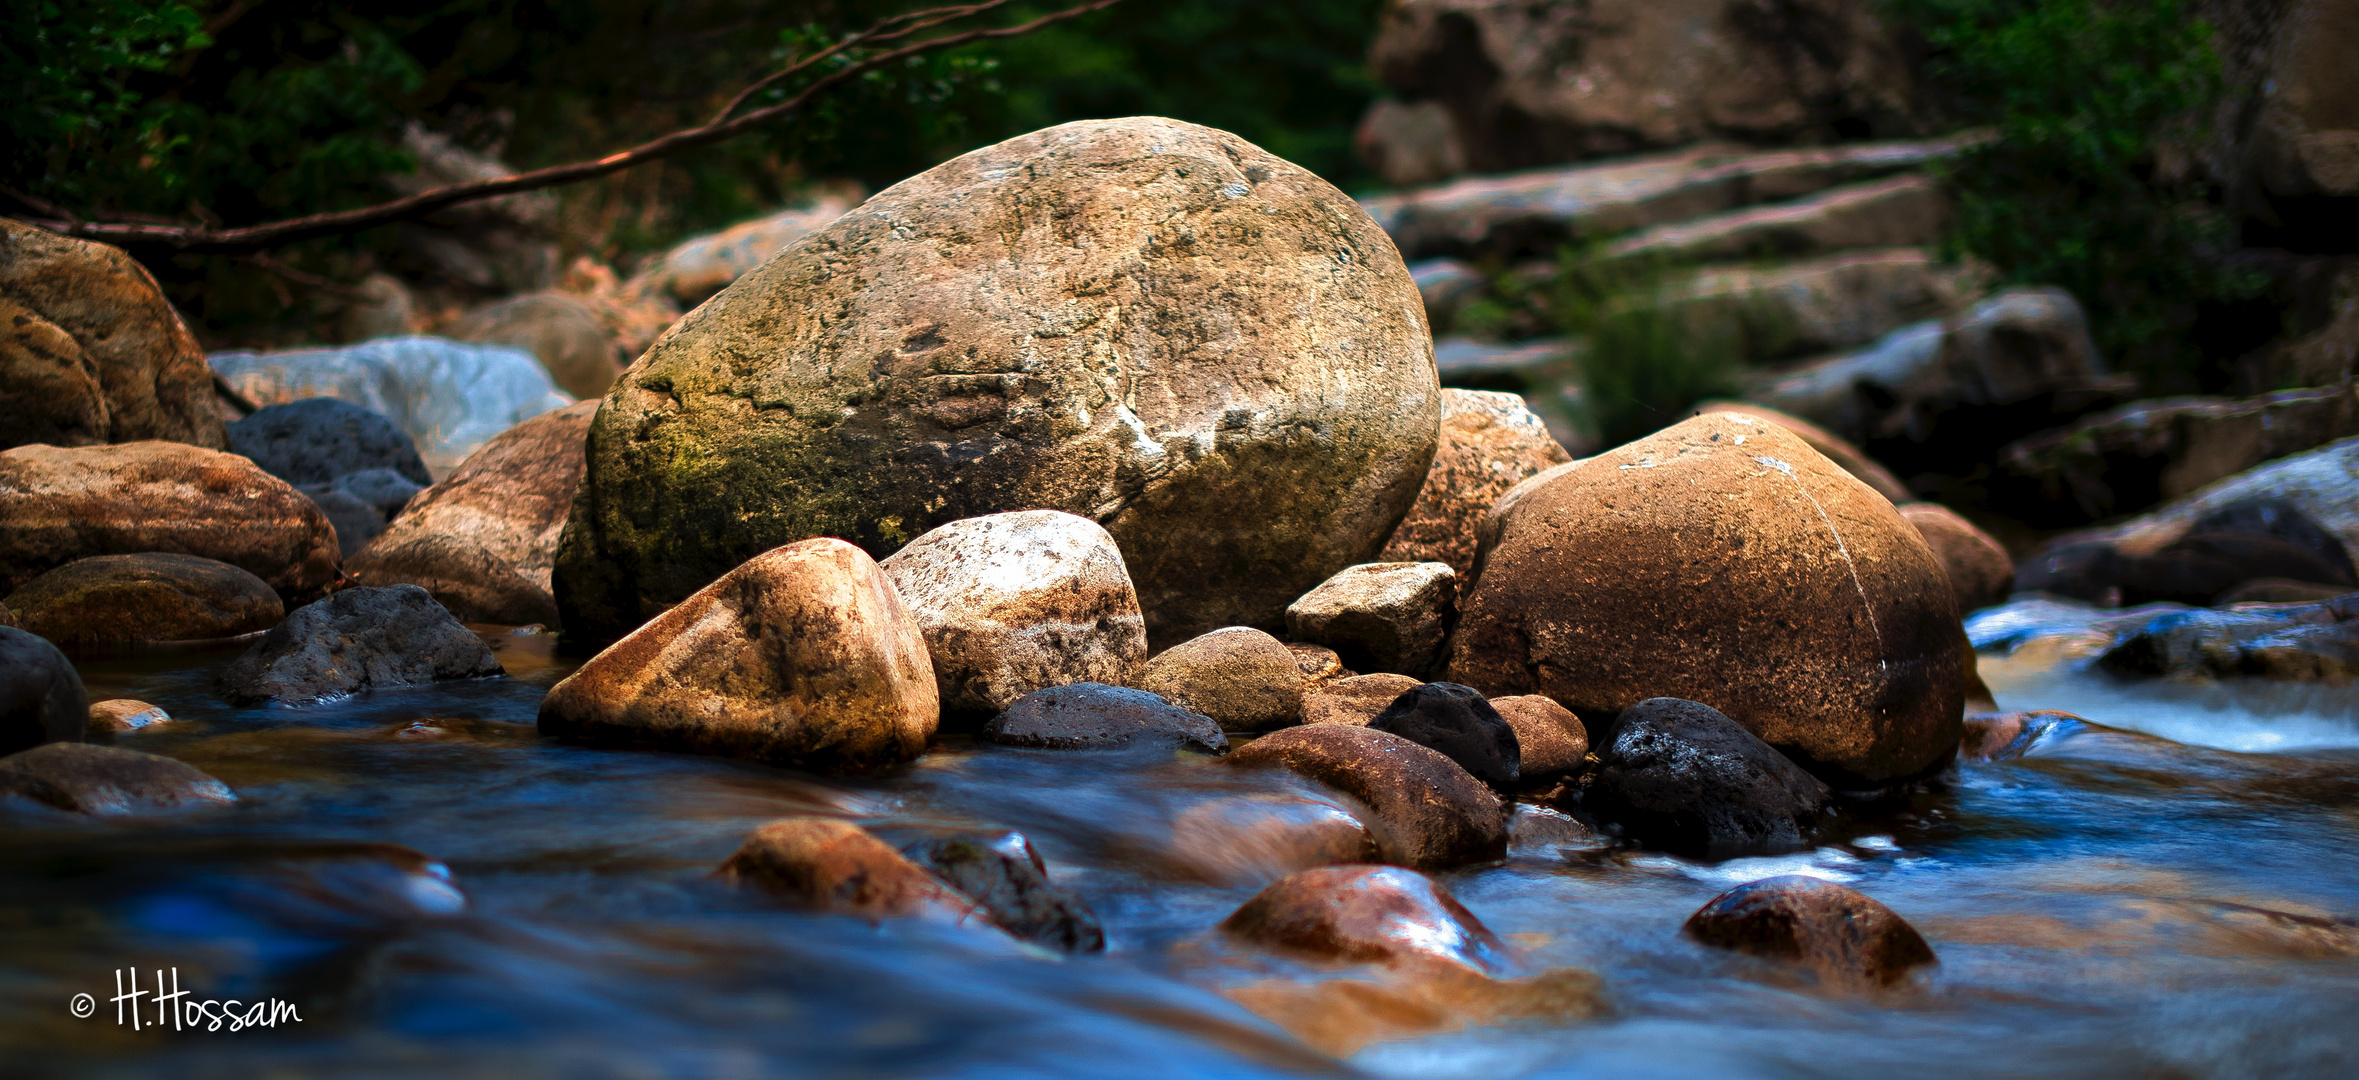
(1646, 360)
(64, 66)
(2079, 91)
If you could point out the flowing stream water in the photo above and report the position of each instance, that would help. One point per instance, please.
(438, 891)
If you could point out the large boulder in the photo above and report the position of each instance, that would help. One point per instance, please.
(803, 656)
(1526, 84)
(1837, 449)
(1723, 560)
(92, 352)
(58, 505)
(451, 397)
(41, 695)
(1154, 325)
(1012, 603)
(151, 596)
(1490, 440)
(484, 539)
(356, 640)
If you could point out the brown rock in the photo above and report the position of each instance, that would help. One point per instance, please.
(1253, 839)
(146, 597)
(1157, 326)
(558, 328)
(1426, 812)
(58, 505)
(692, 272)
(1553, 740)
(91, 352)
(1980, 572)
(483, 540)
(1319, 663)
(803, 656)
(839, 867)
(1380, 616)
(1355, 700)
(105, 781)
(115, 716)
(1490, 441)
(1240, 677)
(1848, 938)
(1368, 914)
(1752, 576)
(1836, 448)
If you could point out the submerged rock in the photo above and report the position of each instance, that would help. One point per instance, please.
(1206, 349)
(1253, 839)
(484, 539)
(1456, 721)
(108, 782)
(1240, 677)
(1380, 616)
(58, 505)
(1997, 736)
(2291, 642)
(358, 639)
(1091, 716)
(1368, 914)
(1014, 891)
(1490, 441)
(115, 716)
(1845, 936)
(1011, 603)
(804, 656)
(1980, 571)
(92, 352)
(839, 867)
(1427, 813)
(147, 597)
(1722, 560)
(1355, 700)
(1550, 741)
(1679, 776)
(41, 695)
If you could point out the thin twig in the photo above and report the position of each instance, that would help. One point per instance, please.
(883, 31)
(251, 238)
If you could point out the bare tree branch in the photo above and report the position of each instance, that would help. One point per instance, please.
(250, 238)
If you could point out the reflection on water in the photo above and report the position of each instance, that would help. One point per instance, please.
(439, 890)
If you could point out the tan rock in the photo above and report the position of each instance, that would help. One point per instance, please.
(1900, 211)
(1355, 700)
(559, 329)
(151, 596)
(1425, 811)
(1206, 349)
(804, 656)
(1017, 602)
(58, 505)
(1553, 740)
(115, 716)
(1242, 678)
(1490, 441)
(1754, 576)
(92, 352)
(1980, 571)
(483, 540)
(697, 268)
(836, 866)
(1380, 616)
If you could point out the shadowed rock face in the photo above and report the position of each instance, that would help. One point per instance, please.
(1680, 776)
(1753, 576)
(146, 597)
(1154, 325)
(358, 639)
(106, 781)
(41, 695)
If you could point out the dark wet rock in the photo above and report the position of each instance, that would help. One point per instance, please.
(483, 540)
(106, 781)
(148, 597)
(1242, 678)
(1459, 723)
(1723, 560)
(1011, 603)
(804, 656)
(1490, 441)
(1015, 892)
(1367, 914)
(2293, 642)
(58, 505)
(2281, 591)
(41, 695)
(116, 716)
(1380, 616)
(839, 867)
(360, 504)
(1980, 572)
(1355, 700)
(2213, 555)
(1550, 741)
(1844, 935)
(2002, 736)
(1426, 812)
(1090, 716)
(358, 639)
(322, 440)
(1266, 427)
(1682, 777)
(2127, 459)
